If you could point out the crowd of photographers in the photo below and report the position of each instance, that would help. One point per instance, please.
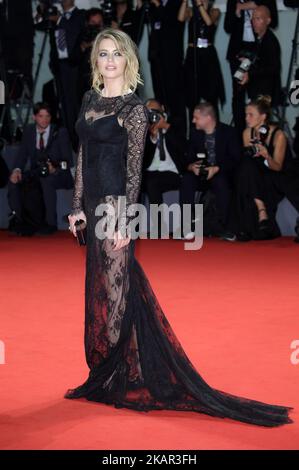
(241, 171)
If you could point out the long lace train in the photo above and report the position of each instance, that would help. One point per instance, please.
(147, 368)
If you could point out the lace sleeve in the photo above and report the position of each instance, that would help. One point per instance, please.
(78, 189)
(136, 124)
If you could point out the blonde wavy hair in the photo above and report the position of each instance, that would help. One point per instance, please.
(128, 48)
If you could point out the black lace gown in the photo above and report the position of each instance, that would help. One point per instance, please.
(134, 357)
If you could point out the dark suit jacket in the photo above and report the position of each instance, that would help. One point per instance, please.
(234, 25)
(264, 76)
(58, 147)
(228, 150)
(73, 29)
(175, 143)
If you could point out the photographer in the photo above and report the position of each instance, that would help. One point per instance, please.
(201, 61)
(263, 177)
(94, 25)
(163, 155)
(238, 25)
(127, 19)
(48, 153)
(214, 153)
(64, 62)
(264, 76)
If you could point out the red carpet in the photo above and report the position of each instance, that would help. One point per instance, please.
(233, 306)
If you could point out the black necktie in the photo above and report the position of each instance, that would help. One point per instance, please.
(161, 145)
(41, 141)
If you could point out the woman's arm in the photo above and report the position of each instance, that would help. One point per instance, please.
(136, 124)
(77, 203)
(275, 161)
(246, 137)
(184, 11)
(78, 189)
(77, 212)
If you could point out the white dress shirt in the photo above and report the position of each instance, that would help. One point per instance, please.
(45, 136)
(162, 165)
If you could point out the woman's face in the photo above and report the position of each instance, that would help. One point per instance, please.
(111, 62)
(253, 117)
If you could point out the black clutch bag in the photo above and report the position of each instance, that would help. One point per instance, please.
(81, 231)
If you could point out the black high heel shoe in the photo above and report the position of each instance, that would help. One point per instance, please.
(265, 227)
(264, 223)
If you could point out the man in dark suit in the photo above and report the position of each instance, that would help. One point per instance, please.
(218, 144)
(163, 157)
(166, 53)
(65, 55)
(263, 77)
(237, 24)
(42, 142)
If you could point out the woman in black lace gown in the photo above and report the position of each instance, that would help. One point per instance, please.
(134, 357)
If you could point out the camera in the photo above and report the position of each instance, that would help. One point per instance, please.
(43, 168)
(108, 9)
(90, 33)
(203, 164)
(252, 150)
(154, 116)
(249, 59)
(45, 10)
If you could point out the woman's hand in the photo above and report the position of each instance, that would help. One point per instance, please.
(194, 167)
(73, 219)
(202, 3)
(262, 151)
(212, 170)
(119, 241)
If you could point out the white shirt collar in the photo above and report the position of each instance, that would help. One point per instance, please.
(46, 133)
(70, 10)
